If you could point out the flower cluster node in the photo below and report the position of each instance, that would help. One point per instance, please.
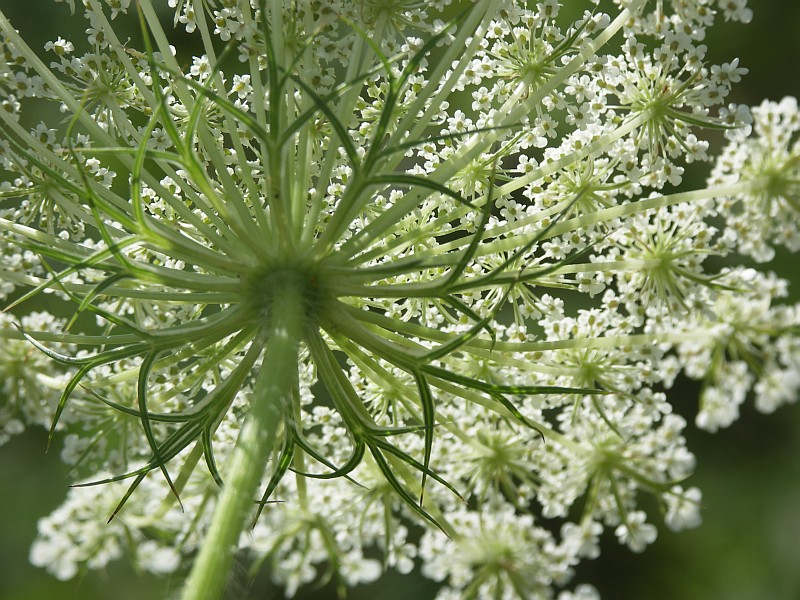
(259, 290)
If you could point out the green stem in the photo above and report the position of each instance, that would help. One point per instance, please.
(268, 406)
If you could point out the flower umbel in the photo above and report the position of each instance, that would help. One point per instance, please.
(334, 255)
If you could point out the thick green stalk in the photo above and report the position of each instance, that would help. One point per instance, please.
(270, 399)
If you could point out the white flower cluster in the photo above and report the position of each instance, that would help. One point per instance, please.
(499, 280)
(73, 536)
(766, 214)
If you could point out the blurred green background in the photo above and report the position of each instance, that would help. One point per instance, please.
(748, 547)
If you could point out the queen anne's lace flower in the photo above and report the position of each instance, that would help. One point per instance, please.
(382, 264)
(767, 211)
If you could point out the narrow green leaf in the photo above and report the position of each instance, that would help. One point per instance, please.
(348, 467)
(127, 495)
(469, 252)
(519, 390)
(391, 479)
(432, 139)
(306, 447)
(338, 126)
(208, 454)
(98, 359)
(416, 180)
(282, 466)
(427, 471)
(429, 421)
(61, 358)
(517, 254)
(141, 393)
(96, 291)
